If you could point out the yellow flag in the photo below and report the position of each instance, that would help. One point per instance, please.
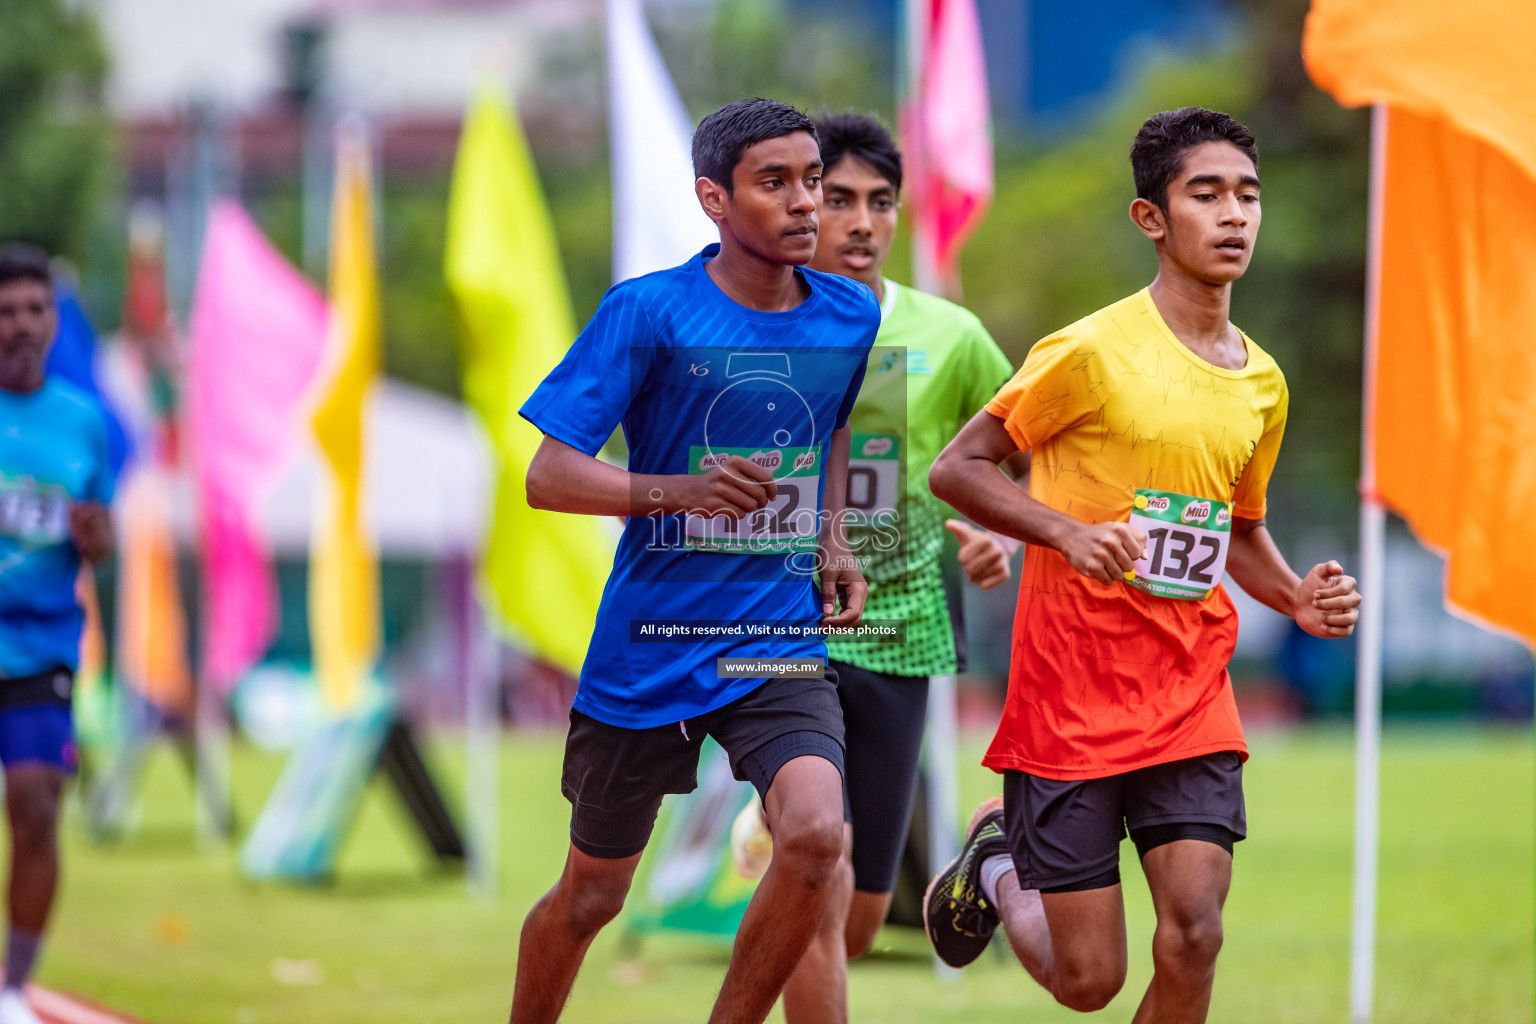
(1453, 420)
(343, 568)
(543, 572)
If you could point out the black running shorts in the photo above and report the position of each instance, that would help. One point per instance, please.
(1065, 836)
(615, 778)
(884, 717)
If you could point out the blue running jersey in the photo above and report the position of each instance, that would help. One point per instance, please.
(53, 452)
(692, 377)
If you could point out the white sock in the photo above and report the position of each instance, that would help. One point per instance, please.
(992, 871)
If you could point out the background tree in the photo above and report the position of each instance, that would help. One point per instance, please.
(54, 136)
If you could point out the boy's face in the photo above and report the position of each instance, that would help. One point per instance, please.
(1212, 220)
(28, 322)
(772, 208)
(858, 221)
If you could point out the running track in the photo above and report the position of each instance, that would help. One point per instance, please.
(58, 1008)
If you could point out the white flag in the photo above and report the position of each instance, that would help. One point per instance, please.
(657, 221)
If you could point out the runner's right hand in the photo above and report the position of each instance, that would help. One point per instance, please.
(1104, 551)
(733, 488)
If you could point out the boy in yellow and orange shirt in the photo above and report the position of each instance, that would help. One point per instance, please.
(1153, 427)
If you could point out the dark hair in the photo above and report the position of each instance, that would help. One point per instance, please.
(1158, 152)
(20, 262)
(723, 136)
(864, 139)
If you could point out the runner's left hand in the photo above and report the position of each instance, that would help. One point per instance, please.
(1327, 603)
(90, 528)
(840, 576)
(981, 556)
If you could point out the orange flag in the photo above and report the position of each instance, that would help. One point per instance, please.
(152, 630)
(1453, 424)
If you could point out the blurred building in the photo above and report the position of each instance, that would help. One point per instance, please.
(386, 57)
(261, 68)
(1049, 62)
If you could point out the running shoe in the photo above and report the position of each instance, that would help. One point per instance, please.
(14, 1008)
(751, 842)
(957, 915)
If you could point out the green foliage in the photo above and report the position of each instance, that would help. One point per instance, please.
(814, 60)
(53, 136)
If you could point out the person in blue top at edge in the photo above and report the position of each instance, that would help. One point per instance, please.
(55, 483)
(733, 376)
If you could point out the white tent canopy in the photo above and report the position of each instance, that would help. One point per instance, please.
(426, 481)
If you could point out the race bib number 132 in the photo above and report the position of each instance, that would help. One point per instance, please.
(1187, 543)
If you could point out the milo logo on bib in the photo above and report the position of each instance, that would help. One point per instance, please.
(1187, 543)
(768, 460)
(790, 521)
(875, 447)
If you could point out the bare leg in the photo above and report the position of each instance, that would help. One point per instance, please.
(33, 793)
(804, 808)
(1072, 943)
(1189, 879)
(866, 915)
(817, 993)
(560, 928)
(1023, 918)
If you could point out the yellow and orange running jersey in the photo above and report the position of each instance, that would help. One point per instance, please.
(1121, 417)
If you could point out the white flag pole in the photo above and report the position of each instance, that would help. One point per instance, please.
(943, 784)
(1372, 579)
(657, 220)
(482, 750)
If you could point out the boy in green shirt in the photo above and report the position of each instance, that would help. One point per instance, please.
(933, 366)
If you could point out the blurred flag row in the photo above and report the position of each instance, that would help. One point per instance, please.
(274, 365)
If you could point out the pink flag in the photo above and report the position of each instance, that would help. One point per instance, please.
(947, 130)
(258, 330)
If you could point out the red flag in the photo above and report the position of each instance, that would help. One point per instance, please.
(946, 132)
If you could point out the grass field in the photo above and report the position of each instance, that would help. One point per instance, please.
(160, 930)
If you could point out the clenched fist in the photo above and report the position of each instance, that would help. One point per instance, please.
(734, 488)
(1104, 551)
(1327, 603)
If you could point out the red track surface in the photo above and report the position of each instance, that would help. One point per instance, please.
(57, 1008)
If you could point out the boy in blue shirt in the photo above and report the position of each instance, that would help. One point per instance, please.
(733, 377)
(55, 483)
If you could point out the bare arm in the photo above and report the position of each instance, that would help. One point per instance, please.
(966, 475)
(1324, 602)
(90, 528)
(839, 570)
(566, 479)
(983, 554)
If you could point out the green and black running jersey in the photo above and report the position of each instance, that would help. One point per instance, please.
(933, 366)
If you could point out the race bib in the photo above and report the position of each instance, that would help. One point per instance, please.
(34, 514)
(874, 479)
(789, 523)
(1187, 543)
